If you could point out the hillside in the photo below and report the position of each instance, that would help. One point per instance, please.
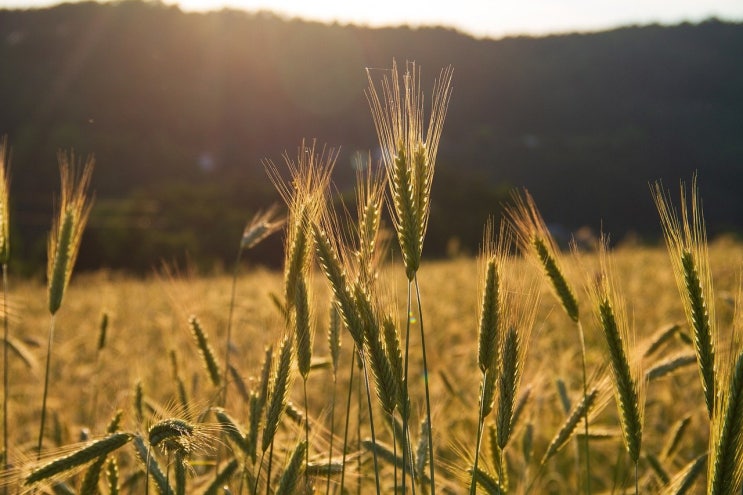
(180, 109)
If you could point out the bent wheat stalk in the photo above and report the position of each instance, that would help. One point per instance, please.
(63, 246)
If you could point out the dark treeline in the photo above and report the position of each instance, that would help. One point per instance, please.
(180, 109)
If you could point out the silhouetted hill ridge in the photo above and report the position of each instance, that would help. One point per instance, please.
(171, 101)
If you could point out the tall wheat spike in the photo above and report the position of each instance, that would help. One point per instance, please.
(73, 212)
(409, 154)
(491, 265)
(725, 469)
(686, 239)
(628, 377)
(304, 194)
(409, 158)
(63, 246)
(537, 243)
(370, 186)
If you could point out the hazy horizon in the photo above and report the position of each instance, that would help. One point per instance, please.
(479, 18)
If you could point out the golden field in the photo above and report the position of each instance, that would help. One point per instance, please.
(149, 318)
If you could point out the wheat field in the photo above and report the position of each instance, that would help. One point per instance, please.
(364, 367)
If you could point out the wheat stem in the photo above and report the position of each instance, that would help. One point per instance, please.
(348, 418)
(46, 387)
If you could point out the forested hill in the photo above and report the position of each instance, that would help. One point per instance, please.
(180, 108)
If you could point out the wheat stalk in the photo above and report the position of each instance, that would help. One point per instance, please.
(63, 246)
(304, 195)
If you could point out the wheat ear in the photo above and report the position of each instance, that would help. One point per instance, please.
(279, 390)
(304, 194)
(4, 201)
(112, 477)
(408, 154)
(330, 262)
(684, 480)
(726, 463)
(92, 476)
(686, 240)
(205, 349)
(568, 427)
(86, 454)
(73, 213)
(670, 365)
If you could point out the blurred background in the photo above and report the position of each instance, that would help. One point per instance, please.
(584, 106)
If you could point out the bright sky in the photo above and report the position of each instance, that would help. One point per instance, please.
(494, 18)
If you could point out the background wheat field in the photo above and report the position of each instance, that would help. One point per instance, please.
(148, 320)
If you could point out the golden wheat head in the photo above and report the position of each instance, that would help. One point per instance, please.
(304, 194)
(686, 240)
(409, 153)
(537, 243)
(4, 201)
(628, 378)
(64, 241)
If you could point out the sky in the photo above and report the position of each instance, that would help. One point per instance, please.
(481, 18)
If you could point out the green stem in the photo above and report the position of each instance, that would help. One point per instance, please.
(480, 421)
(425, 382)
(371, 423)
(332, 429)
(229, 328)
(306, 438)
(268, 469)
(348, 417)
(46, 387)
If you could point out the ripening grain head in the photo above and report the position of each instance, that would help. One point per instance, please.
(492, 262)
(262, 225)
(304, 194)
(4, 200)
(628, 377)
(369, 204)
(409, 153)
(67, 230)
(536, 243)
(686, 240)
